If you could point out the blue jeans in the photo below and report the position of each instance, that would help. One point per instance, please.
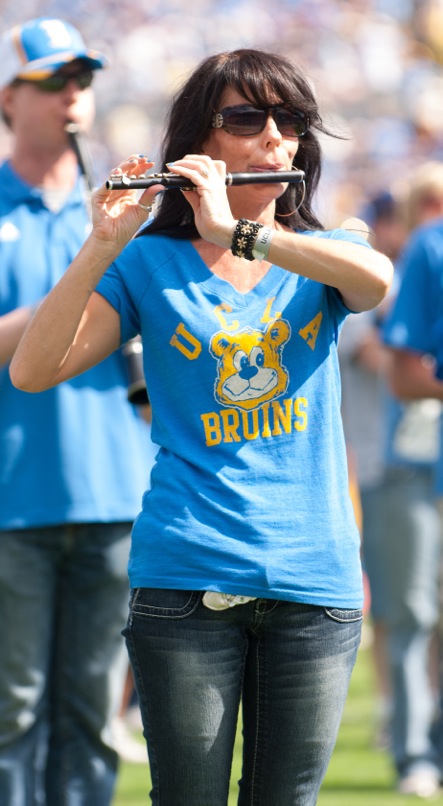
(290, 664)
(63, 603)
(411, 550)
(372, 549)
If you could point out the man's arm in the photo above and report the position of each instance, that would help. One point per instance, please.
(410, 375)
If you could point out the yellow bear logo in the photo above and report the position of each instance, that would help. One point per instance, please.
(249, 365)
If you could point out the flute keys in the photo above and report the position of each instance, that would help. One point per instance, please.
(122, 178)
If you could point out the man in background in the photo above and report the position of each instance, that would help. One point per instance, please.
(72, 459)
(414, 333)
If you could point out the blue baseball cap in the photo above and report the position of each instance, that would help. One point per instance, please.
(39, 47)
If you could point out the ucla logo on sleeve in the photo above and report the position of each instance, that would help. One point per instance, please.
(249, 365)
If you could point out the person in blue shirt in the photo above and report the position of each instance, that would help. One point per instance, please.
(361, 355)
(245, 560)
(402, 533)
(413, 332)
(72, 460)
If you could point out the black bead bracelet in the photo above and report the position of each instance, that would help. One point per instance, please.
(243, 239)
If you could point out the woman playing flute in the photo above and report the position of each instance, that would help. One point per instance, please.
(245, 563)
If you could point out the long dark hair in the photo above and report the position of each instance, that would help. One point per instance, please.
(260, 77)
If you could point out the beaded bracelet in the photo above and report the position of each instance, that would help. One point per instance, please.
(243, 239)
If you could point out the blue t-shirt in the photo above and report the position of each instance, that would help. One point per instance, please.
(416, 319)
(76, 453)
(249, 492)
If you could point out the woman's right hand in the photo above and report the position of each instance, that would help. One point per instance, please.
(117, 214)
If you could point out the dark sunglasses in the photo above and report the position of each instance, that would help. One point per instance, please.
(244, 120)
(58, 81)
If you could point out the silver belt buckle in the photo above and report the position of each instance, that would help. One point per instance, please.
(223, 601)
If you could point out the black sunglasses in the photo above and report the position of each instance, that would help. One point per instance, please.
(58, 81)
(244, 120)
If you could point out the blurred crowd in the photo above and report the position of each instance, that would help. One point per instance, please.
(377, 68)
(376, 65)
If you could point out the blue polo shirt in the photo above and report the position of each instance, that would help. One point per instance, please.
(79, 452)
(416, 320)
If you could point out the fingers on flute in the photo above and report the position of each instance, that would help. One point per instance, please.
(135, 163)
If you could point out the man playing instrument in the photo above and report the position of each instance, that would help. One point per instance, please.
(72, 461)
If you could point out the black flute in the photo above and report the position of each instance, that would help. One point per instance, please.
(175, 181)
(133, 349)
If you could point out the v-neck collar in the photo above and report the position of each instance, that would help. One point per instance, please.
(222, 288)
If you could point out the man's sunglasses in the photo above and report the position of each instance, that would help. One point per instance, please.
(244, 120)
(58, 81)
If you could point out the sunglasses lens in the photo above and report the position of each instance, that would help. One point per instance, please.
(291, 124)
(59, 81)
(245, 121)
(52, 84)
(84, 80)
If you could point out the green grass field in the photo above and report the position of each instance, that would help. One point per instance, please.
(358, 774)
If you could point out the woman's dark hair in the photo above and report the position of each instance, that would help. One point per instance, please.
(260, 77)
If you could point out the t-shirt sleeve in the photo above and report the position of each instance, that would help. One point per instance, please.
(113, 288)
(414, 320)
(341, 308)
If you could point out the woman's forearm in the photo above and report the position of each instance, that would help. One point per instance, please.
(363, 276)
(56, 343)
(12, 327)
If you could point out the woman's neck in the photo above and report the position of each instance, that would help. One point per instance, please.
(242, 274)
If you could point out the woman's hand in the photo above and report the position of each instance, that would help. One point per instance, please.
(117, 214)
(209, 201)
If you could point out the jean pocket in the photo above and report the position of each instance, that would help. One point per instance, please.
(343, 615)
(163, 602)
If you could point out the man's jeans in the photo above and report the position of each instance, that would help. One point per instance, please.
(63, 603)
(411, 556)
(289, 663)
